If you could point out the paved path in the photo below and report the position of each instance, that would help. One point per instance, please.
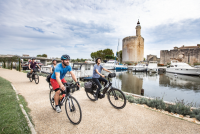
(98, 117)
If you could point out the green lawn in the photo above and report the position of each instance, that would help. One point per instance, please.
(12, 120)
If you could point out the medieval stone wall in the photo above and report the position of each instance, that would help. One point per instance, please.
(153, 58)
(183, 55)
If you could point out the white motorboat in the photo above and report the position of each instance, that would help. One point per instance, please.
(152, 67)
(109, 65)
(46, 69)
(139, 68)
(182, 68)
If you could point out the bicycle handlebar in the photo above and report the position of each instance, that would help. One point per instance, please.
(70, 86)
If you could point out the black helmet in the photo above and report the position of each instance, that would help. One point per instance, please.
(65, 57)
(54, 60)
(97, 60)
(33, 58)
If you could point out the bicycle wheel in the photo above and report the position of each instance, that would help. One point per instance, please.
(90, 96)
(36, 78)
(30, 78)
(116, 98)
(51, 97)
(50, 87)
(73, 110)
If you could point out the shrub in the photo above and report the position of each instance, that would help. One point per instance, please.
(131, 100)
(142, 101)
(196, 111)
(180, 108)
(128, 97)
(156, 103)
(198, 117)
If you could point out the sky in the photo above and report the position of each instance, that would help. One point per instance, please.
(79, 27)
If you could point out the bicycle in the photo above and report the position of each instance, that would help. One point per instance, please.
(33, 76)
(72, 106)
(114, 95)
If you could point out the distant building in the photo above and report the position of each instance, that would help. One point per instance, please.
(153, 58)
(187, 54)
(133, 47)
(25, 55)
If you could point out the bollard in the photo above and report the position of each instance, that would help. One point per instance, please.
(142, 92)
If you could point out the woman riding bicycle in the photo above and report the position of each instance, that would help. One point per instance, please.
(32, 65)
(98, 77)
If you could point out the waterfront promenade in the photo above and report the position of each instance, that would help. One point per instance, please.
(97, 117)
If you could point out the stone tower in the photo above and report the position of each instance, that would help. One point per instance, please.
(133, 47)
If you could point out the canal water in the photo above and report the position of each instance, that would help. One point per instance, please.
(163, 85)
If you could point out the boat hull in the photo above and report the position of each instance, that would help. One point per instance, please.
(152, 70)
(139, 69)
(184, 71)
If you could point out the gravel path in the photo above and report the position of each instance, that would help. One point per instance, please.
(97, 117)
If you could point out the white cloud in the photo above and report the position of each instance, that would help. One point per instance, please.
(88, 25)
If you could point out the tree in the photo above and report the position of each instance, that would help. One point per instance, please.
(39, 55)
(108, 57)
(102, 53)
(119, 55)
(13, 59)
(44, 55)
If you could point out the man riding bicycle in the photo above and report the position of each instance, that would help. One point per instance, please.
(57, 78)
(98, 77)
(32, 65)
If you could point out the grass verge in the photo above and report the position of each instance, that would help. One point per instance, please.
(12, 120)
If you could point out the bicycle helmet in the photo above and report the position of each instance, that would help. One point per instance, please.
(97, 59)
(54, 60)
(65, 57)
(32, 58)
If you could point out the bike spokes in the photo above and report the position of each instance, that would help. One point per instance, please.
(73, 110)
(117, 98)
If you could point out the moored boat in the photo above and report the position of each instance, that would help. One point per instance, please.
(152, 67)
(182, 68)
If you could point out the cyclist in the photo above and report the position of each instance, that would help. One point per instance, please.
(97, 76)
(32, 65)
(57, 78)
(53, 65)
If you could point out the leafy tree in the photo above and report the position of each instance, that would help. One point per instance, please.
(13, 59)
(39, 55)
(3, 59)
(119, 55)
(102, 54)
(44, 55)
(108, 57)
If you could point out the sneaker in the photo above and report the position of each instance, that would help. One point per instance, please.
(95, 97)
(58, 110)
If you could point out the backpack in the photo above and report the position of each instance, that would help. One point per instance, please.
(48, 78)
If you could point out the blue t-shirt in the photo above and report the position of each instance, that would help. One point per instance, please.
(59, 69)
(99, 68)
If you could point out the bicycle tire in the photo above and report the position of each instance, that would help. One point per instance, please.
(30, 78)
(36, 78)
(51, 97)
(112, 93)
(88, 95)
(69, 103)
(50, 87)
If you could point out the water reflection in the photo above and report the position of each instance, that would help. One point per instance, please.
(182, 82)
(163, 85)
